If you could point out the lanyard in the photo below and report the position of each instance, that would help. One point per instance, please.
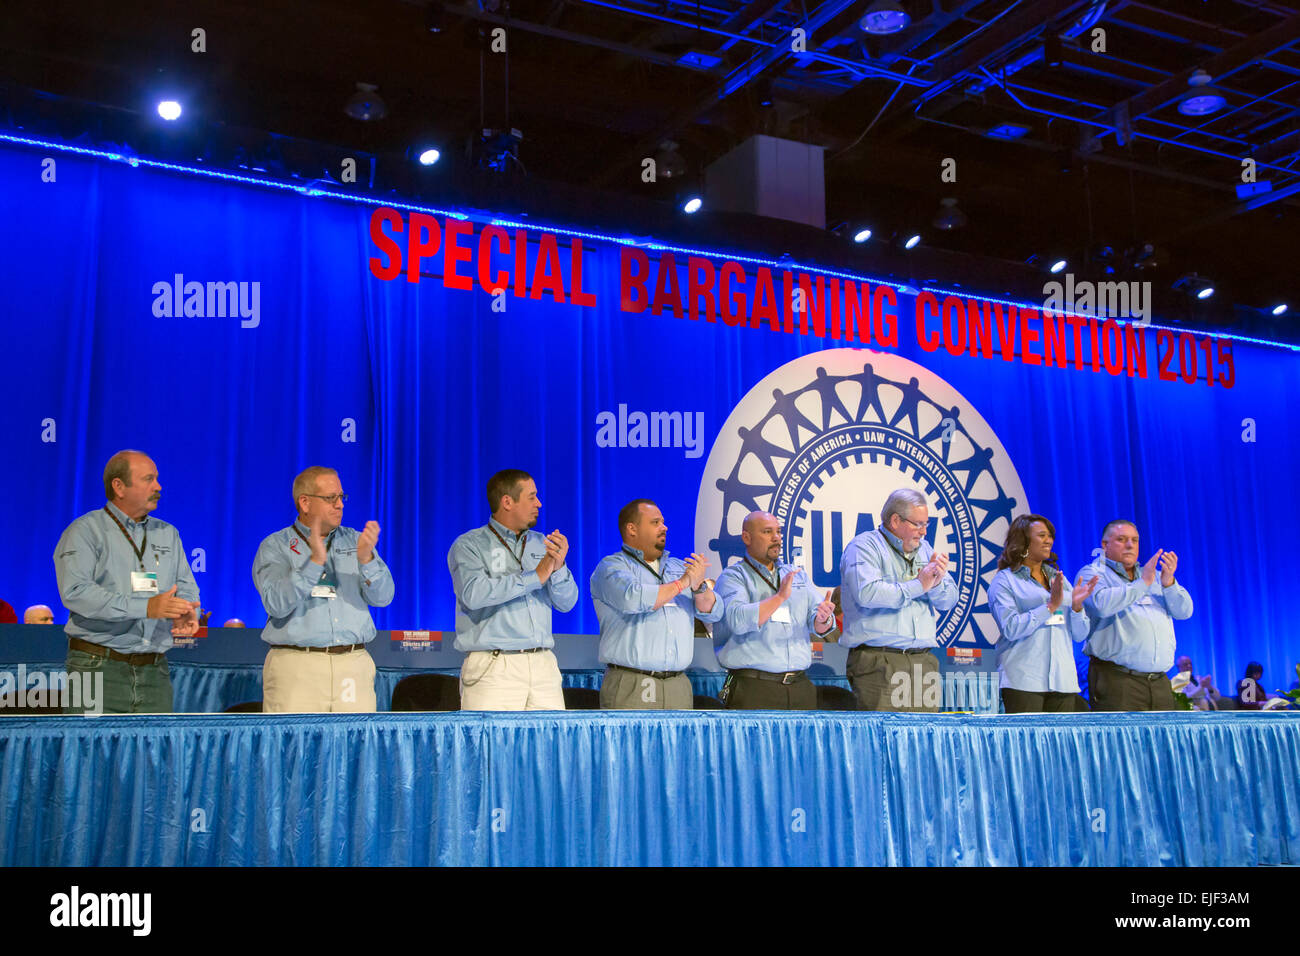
(144, 540)
(775, 588)
(329, 539)
(910, 562)
(523, 543)
(658, 575)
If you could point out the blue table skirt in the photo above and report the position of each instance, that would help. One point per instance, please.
(211, 688)
(600, 788)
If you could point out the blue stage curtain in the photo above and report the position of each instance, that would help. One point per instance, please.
(428, 375)
(707, 787)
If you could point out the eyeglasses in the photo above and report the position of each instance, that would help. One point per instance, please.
(330, 499)
(918, 525)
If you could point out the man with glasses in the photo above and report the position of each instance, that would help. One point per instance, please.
(893, 586)
(318, 581)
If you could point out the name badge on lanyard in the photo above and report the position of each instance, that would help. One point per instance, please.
(781, 615)
(326, 585)
(144, 582)
(1056, 619)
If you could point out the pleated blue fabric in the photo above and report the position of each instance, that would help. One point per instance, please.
(635, 788)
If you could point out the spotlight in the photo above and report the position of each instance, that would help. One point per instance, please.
(1147, 256)
(1202, 99)
(692, 205)
(669, 162)
(948, 217)
(433, 19)
(169, 110)
(1048, 263)
(429, 156)
(1279, 309)
(884, 17)
(862, 235)
(912, 241)
(366, 104)
(1195, 285)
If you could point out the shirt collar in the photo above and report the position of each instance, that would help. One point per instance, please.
(748, 560)
(641, 554)
(504, 531)
(120, 515)
(1120, 569)
(1049, 572)
(305, 531)
(897, 542)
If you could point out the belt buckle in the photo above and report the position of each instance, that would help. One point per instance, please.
(788, 677)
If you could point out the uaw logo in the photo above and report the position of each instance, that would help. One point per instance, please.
(823, 440)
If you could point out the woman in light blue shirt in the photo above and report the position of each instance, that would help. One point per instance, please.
(1028, 598)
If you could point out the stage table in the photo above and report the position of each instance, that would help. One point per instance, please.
(685, 788)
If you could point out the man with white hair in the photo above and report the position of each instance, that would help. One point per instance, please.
(318, 581)
(892, 587)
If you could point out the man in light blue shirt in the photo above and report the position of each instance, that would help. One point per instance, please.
(507, 580)
(318, 581)
(771, 611)
(1131, 637)
(892, 587)
(126, 579)
(647, 604)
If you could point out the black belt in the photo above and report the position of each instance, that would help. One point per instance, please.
(788, 677)
(660, 675)
(894, 650)
(333, 649)
(99, 650)
(526, 650)
(1145, 675)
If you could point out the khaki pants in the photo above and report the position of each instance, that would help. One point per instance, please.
(491, 681)
(892, 680)
(627, 690)
(311, 682)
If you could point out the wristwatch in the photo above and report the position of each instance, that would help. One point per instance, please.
(707, 585)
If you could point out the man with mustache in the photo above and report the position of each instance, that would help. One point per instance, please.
(508, 579)
(647, 603)
(125, 578)
(318, 581)
(1131, 617)
(771, 612)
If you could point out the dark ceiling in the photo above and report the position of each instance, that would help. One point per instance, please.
(1105, 160)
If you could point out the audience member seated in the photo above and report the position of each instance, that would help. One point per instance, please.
(1250, 692)
(1199, 690)
(7, 613)
(38, 614)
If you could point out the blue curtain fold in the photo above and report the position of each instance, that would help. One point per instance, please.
(634, 788)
